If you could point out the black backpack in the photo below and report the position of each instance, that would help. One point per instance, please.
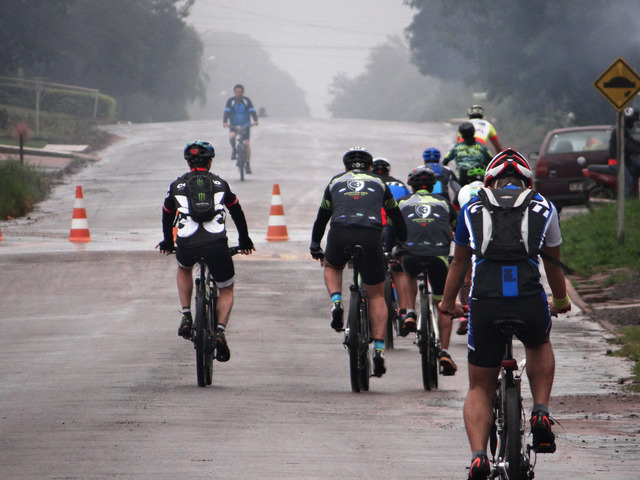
(505, 235)
(200, 191)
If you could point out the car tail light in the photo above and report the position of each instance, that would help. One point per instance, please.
(542, 168)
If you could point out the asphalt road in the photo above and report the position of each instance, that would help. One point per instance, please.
(95, 383)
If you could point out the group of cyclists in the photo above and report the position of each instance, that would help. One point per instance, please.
(413, 223)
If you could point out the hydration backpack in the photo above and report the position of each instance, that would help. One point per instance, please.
(506, 224)
(200, 192)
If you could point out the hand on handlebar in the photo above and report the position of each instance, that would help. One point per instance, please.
(454, 309)
(166, 246)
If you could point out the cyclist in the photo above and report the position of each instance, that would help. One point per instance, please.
(507, 289)
(466, 193)
(467, 154)
(428, 218)
(446, 182)
(239, 111)
(352, 201)
(208, 239)
(484, 129)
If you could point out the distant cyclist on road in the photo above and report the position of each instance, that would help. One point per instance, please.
(446, 182)
(239, 111)
(506, 284)
(352, 201)
(484, 129)
(382, 168)
(467, 154)
(207, 238)
(428, 218)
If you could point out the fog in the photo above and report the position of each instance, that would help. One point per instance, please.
(310, 40)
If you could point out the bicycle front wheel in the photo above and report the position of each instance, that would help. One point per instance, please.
(242, 159)
(513, 448)
(353, 340)
(427, 344)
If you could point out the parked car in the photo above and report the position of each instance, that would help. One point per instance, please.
(563, 155)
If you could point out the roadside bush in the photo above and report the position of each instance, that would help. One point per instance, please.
(21, 187)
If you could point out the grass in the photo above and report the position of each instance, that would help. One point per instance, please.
(31, 143)
(21, 187)
(590, 244)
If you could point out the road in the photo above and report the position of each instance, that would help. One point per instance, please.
(95, 383)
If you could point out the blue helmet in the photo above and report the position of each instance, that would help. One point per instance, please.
(199, 152)
(431, 155)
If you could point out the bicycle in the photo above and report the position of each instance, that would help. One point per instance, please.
(427, 337)
(391, 299)
(241, 149)
(511, 456)
(204, 330)
(357, 337)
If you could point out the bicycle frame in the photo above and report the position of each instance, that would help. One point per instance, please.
(511, 455)
(241, 149)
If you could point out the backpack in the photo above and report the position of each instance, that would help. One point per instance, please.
(506, 224)
(200, 192)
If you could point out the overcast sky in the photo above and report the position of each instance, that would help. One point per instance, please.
(312, 40)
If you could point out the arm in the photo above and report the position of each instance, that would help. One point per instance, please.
(555, 277)
(457, 270)
(245, 243)
(227, 113)
(166, 246)
(252, 111)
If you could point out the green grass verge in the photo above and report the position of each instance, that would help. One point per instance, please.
(21, 187)
(31, 143)
(590, 244)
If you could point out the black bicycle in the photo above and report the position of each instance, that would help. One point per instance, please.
(427, 337)
(512, 458)
(391, 299)
(356, 337)
(241, 149)
(204, 331)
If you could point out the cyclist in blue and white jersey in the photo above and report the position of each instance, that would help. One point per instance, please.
(239, 111)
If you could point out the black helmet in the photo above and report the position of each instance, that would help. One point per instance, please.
(357, 158)
(422, 178)
(467, 130)
(508, 163)
(199, 152)
(631, 116)
(475, 111)
(381, 166)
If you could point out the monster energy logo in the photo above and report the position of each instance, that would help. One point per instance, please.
(202, 197)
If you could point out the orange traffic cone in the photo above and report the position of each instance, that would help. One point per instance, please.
(0, 235)
(277, 229)
(79, 225)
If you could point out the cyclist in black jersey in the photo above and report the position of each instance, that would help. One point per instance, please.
(352, 201)
(208, 239)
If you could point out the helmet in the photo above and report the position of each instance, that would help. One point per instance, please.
(476, 173)
(199, 152)
(357, 157)
(380, 166)
(466, 129)
(422, 178)
(431, 155)
(508, 163)
(475, 111)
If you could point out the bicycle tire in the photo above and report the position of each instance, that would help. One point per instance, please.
(427, 344)
(598, 197)
(392, 308)
(364, 361)
(513, 417)
(200, 337)
(353, 340)
(241, 158)
(211, 325)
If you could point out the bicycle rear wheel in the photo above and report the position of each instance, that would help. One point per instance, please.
(427, 343)
(364, 361)
(201, 336)
(513, 448)
(392, 308)
(352, 340)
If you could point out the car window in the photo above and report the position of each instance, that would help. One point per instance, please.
(579, 141)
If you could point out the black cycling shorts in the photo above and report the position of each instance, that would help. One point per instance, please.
(372, 266)
(437, 269)
(217, 257)
(486, 345)
(247, 131)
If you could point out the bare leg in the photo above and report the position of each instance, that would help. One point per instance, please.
(541, 366)
(332, 278)
(478, 407)
(377, 309)
(445, 325)
(407, 289)
(225, 302)
(185, 286)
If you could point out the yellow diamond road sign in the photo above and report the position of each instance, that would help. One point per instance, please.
(619, 84)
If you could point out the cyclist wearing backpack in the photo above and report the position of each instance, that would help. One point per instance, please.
(506, 284)
(352, 201)
(428, 218)
(468, 154)
(199, 198)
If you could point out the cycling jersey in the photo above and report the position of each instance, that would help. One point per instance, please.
(467, 157)
(239, 113)
(484, 131)
(467, 192)
(446, 183)
(428, 218)
(192, 233)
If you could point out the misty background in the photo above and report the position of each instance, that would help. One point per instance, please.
(531, 64)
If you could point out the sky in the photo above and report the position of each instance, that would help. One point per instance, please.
(311, 40)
